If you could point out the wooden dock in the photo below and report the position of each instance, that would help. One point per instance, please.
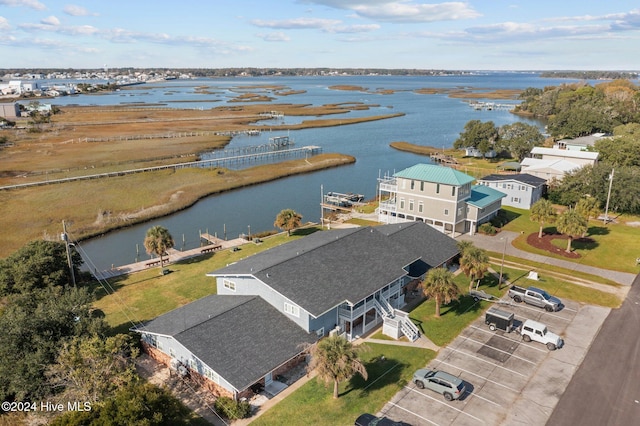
(443, 158)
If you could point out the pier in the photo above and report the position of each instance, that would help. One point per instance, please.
(237, 160)
(489, 106)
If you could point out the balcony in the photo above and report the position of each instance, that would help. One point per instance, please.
(388, 185)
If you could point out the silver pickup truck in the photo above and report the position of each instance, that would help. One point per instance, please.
(535, 296)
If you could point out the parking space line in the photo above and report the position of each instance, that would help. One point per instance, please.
(500, 350)
(482, 377)
(415, 414)
(475, 395)
(480, 359)
(445, 404)
(547, 313)
(519, 341)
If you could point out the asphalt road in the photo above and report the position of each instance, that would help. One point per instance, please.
(606, 388)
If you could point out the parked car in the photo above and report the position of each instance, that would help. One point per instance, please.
(371, 420)
(536, 331)
(535, 296)
(450, 386)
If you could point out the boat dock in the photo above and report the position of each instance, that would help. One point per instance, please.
(443, 158)
(173, 256)
(490, 106)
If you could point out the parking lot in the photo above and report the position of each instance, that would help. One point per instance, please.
(508, 381)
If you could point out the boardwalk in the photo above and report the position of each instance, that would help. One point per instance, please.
(174, 256)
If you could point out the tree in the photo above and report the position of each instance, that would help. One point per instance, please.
(37, 265)
(478, 135)
(92, 369)
(335, 359)
(474, 262)
(571, 224)
(34, 326)
(136, 404)
(542, 211)
(519, 139)
(588, 207)
(288, 220)
(157, 241)
(439, 284)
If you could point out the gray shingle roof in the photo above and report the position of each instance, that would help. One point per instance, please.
(525, 178)
(333, 266)
(240, 337)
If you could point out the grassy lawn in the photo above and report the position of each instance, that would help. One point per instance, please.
(615, 246)
(145, 295)
(314, 401)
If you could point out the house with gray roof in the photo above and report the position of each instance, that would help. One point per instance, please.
(439, 196)
(522, 190)
(269, 305)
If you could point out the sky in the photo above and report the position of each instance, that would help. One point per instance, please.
(421, 34)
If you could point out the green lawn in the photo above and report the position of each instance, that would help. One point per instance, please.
(615, 246)
(145, 295)
(313, 403)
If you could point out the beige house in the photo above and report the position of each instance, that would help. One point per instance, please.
(442, 197)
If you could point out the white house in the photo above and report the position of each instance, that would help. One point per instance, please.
(548, 163)
(522, 190)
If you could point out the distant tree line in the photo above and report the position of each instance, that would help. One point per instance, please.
(574, 110)
(590, 75)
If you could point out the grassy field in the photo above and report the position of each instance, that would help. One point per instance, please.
(313, 403)
(615, 246)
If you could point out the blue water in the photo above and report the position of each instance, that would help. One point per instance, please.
(434, 120)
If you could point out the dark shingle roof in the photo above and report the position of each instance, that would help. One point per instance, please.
(334, 266)
(521, 177)
(240, 337)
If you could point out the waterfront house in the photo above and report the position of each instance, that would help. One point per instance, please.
(522, 190)
(582, 143)
(439, 196)
(345, 282)
(548, 163)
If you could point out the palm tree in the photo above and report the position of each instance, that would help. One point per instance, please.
(157, 241)
(464, 245)
(542, 211)
(287, 220)
(588, 207)
(335, 360)
(439, 284)
(474, 263)
(571, 223)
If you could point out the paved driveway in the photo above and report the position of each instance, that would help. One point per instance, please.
(508, 380)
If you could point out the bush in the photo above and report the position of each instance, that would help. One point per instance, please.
(232, 409)
(487, 228)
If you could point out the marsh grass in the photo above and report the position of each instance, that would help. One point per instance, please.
(92, 207)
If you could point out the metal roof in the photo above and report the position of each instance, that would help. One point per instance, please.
(483, 196)
(436, 174)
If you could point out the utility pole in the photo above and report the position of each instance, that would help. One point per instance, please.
(64, 237)
(606, 209)
(504, 250)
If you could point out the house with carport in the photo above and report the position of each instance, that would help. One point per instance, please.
(346, 282)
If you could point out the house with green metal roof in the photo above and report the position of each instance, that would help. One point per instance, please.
(440, 196)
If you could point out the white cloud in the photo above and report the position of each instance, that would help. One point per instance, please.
(274, 36)
(75, 10)
(403, 11)
(33, 4)
(4, 23)
(297, 23)
(60, 29)
(51, 20)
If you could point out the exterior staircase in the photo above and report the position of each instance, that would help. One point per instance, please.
(398, 318)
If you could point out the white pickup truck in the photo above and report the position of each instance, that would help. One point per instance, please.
(533, 330)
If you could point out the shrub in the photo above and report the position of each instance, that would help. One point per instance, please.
(487, 228)
(232, 409)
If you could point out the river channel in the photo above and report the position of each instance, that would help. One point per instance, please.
(434, 120)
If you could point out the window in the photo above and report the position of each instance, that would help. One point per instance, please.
(212, 375)
(420, 207)
(421, 185)
(320, 332)
(401, 203)
(453, 191)
(229, 285)
(437, 188)
(291, 309)
(411, 205)
(413, 184)
(172, 353)
(446, 212)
